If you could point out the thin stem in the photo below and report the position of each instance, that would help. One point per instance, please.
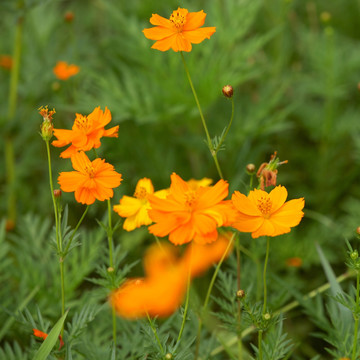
(74, 232)
(111, 263)
(228, 127)
(155, 333)
(265, 296)
(9, 146)
(187, 298)
(207, 298)
(208, 139)
(356, 316)
(238, 272)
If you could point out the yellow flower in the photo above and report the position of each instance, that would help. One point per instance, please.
(135, 209)
(263, 213)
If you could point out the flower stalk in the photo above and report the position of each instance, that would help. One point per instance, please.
(356, 316)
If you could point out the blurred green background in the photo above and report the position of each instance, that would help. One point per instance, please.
(295, 69)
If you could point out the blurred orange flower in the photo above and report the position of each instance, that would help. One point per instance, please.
(163, 288)
(86, 132)
(43, 336)
(6, 62)
(188, 214)
(180, 31)
(91, 179)
(263, 213)
(63, 70)
(135, 209)
(294, 262)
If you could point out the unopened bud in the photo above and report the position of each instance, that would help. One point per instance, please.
(228, 91)
(250, 168)
(267, 316)
(47, 127)
(110, 269)
(240, 294)
(325, 16)
(57, 193)
(354, 255)
(69, 16)
(358, 230)
(168, 356)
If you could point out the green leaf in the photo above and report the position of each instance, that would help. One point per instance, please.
(50, 341)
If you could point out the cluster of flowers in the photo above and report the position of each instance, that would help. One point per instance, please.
(191, 211)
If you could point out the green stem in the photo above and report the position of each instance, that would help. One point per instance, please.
(207, 298)
(9, 146)
(208, 139)
(238, 272)
(74, 232)
(265, 296)
(228, 127)
(356, 316)
(155, 333)
(111, 263)
(187, 298)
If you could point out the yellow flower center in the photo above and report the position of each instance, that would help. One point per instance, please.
(264, 204)
(90, 170)
(140, 193)
(178, 20)
(190, 199)
(83, 123)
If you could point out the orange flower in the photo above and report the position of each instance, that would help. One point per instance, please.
(91, 180)
(294, 262)
(188, 214)
(85, 133)
(180, 31)
(135, 209)
(63, 70)
(43, 336)
(263, 213)
(6, 62)
(163, 288)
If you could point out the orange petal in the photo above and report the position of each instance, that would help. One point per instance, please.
(267, 228)
(245, 223)
(208, 238)
(183, 234)
(164, 44)
(194, 20)
(80, 161)
(181, 43)
(158, 32)
(159, 20)
(84, 196)
(69, 152)
(70, 181)
(129, 206)
(213, 195)
(112, 132)
(244, 204)
(289, 214)
(278, 197)
(197, 36)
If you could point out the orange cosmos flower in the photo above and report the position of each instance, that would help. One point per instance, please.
(63, 70)
(294, 262)
(43, 336)
(163, 288)
(91, 179)
(180, 31)
(85, 133)
(188, 214)
(6, 62)
(135, 209)
(263, 213)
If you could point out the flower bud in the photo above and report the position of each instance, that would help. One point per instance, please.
(110, 269)
(240, 294)
(358, 230)
(47, 127)
(69, 16)
(354, 255)
(267, 316)
(168, 356)
(325, 16)
(57, 193)
(228, 91)
(250, 169)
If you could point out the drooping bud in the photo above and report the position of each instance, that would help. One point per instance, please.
(228, 91)
(47, 127)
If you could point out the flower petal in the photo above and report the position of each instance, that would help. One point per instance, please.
(244, 204)
(164, 44)
(159, 20)
(194, 20)
(212, 195)
(158, 32)
(199, 35)
(267, 228)
(278, 197)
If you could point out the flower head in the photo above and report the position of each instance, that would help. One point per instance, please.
(43, 336)
(188, 214)
(135, 209)
(64, 71)
(263, 213)
(294, 261)
(182, 29)
(86, 132)
(91, 179)
(6, 62)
